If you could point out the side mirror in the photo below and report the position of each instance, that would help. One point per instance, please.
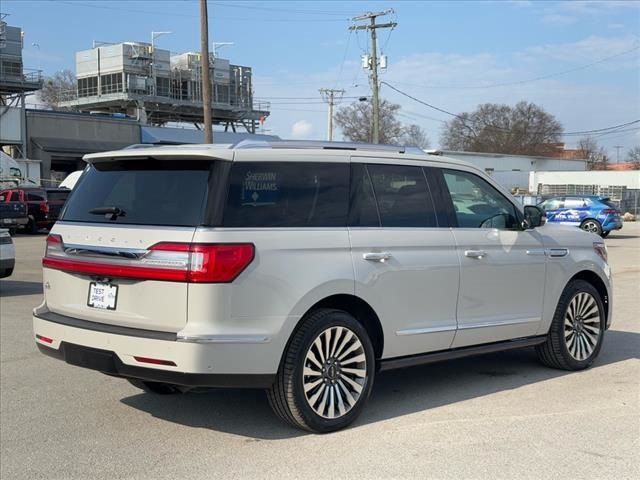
(533, 217)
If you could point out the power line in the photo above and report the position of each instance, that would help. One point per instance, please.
(344, 59)
(217, 17)
(529, 80)
(611, 129)
(288, 10)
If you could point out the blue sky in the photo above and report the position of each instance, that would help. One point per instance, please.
(449, 54)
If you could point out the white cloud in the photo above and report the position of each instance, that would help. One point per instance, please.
(301, 129)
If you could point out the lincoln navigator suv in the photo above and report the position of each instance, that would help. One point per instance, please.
(304, 268)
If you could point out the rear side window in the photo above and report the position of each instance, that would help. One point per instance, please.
(574, 202)
(287, 194)
(402, 196)
(149, 192)
(15, 197)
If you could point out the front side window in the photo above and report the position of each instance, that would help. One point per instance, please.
(402, 196)
(477, 204)
(287, 194)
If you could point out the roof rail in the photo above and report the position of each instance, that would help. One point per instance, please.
(302, 144)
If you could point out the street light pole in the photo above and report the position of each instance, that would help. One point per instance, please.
(155, 35)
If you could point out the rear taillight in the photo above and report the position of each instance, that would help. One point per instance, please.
(609, 211)
(172, 262)
(601, 249)
(44, 208)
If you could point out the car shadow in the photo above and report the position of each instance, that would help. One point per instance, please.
(17, 288)
(395, 393)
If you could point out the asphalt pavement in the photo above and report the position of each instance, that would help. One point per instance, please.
(498, 416)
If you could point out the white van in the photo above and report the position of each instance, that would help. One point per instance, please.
(304, 268)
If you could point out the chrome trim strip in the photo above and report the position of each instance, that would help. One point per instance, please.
(537, 251)
(223, 339)
(498, 324)
(93, 251)
(421, 331)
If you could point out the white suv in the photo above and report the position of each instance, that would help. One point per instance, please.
(304, 268)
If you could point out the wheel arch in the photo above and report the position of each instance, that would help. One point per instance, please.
(597, 283)
(358, 308)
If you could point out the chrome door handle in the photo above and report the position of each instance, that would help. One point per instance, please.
(377, 256)
(475, 253)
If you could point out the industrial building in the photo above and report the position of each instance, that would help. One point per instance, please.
(512, 171)
(15, 83)
(147, 83)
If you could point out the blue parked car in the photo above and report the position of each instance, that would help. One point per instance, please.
(590, 212)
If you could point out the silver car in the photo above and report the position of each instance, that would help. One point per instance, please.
(304, 268)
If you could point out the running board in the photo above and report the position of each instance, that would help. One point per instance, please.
(432, 357)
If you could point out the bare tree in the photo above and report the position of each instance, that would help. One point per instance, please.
(589, 149)
(524, 129)
(414, 136)
(58, 88)
(633, 156)
(356, 122)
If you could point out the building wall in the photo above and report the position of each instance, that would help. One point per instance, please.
(60, 139)
(507, 163)
(629, 178)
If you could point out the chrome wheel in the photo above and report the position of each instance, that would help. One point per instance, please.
(582, 326)
(334, 372)
(591, 226)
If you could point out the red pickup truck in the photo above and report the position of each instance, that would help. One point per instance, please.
(43, 205)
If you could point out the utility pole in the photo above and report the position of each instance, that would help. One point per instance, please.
(329, 95)
(618, 147)
(373, 61)
(206, 80)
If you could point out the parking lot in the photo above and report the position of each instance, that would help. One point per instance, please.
(498, 416)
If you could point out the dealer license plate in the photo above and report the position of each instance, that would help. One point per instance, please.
(103, 295)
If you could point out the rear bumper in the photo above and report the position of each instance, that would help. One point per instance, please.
(107, 362)
(14, 222)
(88, 345)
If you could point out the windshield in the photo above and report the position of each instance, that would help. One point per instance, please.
(142, 192)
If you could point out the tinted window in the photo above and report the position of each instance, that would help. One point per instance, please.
(35, 196)
(363, 211)
(287, 194)
(57, 196)
(15, 197)
(150, 192)
(478, 204)
(402, 196)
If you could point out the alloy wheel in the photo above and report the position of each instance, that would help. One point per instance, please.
(334, 372)
(591, 226)
(582, 326)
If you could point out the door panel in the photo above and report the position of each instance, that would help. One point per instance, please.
(414, 292)
(405, 267)
(502, 267)
(501, 292)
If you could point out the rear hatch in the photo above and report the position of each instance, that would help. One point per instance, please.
(120, 253)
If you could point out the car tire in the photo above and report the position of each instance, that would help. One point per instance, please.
(591, 225)
(12, 231)
(32, 227)
(605, 234)
(326, 374)
(577, 329)
(154, 387)
(7, 272)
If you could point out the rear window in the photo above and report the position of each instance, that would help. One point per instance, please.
(57, 196)
(287, 194)
(149, 192)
